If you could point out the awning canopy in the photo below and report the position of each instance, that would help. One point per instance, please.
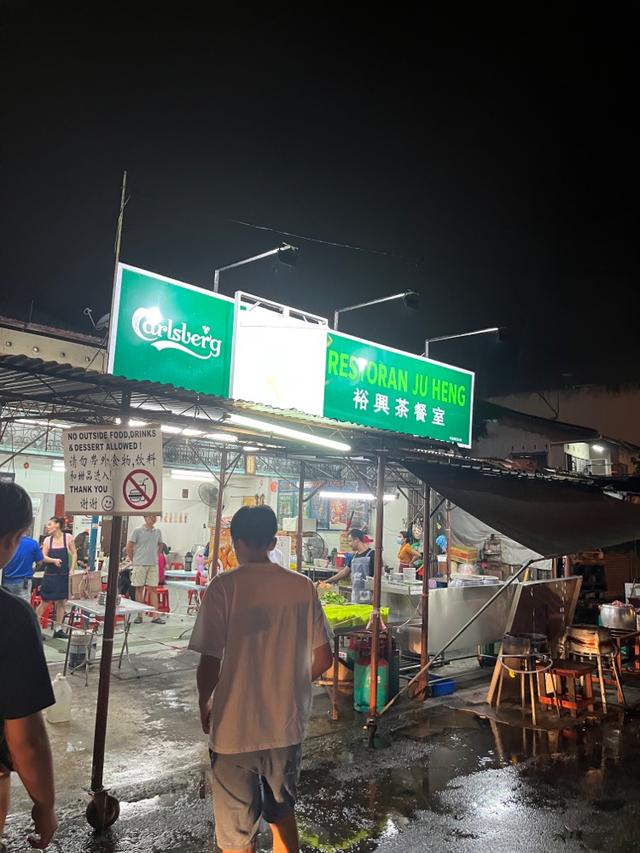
(550, 515)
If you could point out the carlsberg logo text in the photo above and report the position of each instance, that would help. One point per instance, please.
(149, 325)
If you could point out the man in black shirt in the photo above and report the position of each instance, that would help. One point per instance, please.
(25, 687)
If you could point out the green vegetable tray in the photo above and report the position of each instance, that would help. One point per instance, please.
(351, 615)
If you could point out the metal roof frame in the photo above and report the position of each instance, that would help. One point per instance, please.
(47, 392)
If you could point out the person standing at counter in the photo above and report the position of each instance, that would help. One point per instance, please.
(60, 556)
(17, 574)
(360, 569)
(406, 554)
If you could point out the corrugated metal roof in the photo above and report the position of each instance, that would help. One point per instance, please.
(64, 391)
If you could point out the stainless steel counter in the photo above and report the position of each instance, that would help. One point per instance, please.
(549, 602)
(449, 609)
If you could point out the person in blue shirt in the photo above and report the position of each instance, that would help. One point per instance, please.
(17, 574)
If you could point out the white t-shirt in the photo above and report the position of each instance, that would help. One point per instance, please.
(276, 556)
(263, 622)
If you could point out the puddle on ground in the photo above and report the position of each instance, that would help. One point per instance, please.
(356, 818)
(438, 764)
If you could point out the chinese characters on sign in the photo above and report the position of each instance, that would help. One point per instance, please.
(113, 470)
(376, 386)
(173, 333)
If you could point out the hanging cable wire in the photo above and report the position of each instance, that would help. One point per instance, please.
(352, 246)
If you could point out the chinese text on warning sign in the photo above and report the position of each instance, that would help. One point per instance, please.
(113, 470)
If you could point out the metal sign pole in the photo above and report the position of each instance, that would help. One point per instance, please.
(103, 810)
(426, 548)
(372, 721)
(213, 570)
(448, 531)
(300, 519)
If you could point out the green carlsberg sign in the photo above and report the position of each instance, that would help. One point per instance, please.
(165, 331)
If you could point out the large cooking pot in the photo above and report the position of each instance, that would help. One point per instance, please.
(622, 617)
(525, 644)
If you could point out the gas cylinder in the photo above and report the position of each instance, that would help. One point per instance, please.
(362, 683)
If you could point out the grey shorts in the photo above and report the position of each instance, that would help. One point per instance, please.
(249, 786)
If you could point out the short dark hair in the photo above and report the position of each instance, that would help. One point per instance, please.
(356, 533)
(17, 512)
(406, 534)
(256, 526)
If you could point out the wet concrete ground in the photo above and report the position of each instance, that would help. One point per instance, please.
(450, 780)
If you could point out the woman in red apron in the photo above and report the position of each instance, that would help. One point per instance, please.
(59, 559)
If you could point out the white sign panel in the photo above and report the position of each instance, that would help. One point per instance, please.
(279, 360)
(113, 470)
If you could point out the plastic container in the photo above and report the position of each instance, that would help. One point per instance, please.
(61, 711)
(441, 686)
(362, 684)
(82, 645)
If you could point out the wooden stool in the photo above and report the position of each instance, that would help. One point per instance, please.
(566, 676)
(527, 665)
(596, 646)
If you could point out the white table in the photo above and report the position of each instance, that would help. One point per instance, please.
(180, 574)
(90, 607)
(183, 588)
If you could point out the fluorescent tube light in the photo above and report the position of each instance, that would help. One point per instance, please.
(354, 496)
(286, 432)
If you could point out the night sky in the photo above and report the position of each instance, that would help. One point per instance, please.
(487, 161)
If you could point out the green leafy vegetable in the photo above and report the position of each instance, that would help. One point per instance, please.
(330, 596)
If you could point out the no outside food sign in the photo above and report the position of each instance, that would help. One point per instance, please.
(113, 470)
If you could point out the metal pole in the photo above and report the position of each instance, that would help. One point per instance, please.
(93, 542)
(123, 202)
(299, 520)
(216, 273)
(336, 319)
(448, 530)
(372, 721)
(426, 348)
(426, 548)
(103, 809)
(216, 532)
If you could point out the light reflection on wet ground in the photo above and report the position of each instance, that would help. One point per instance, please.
(449, 781)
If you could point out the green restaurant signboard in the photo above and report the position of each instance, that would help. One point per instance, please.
(170, 332)
(380, 387)
(167, 331)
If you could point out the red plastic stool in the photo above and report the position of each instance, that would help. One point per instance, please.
(47, 617)
(163, 599)
(194, 601)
